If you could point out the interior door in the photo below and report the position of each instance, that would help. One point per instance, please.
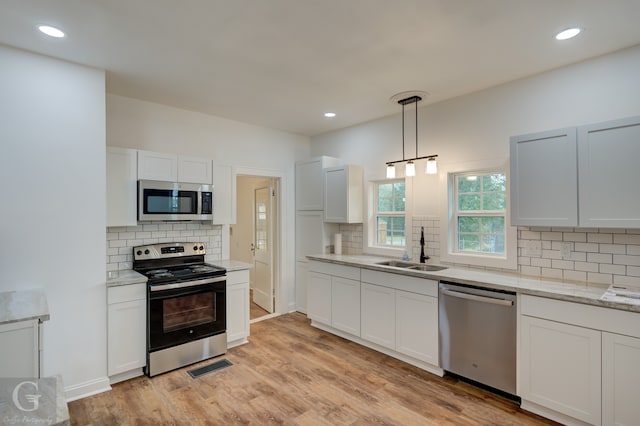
(263, 253)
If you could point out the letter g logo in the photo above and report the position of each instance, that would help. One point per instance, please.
(34, 398)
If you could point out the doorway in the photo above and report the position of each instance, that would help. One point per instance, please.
(254, 239)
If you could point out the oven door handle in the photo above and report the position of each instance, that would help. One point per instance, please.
(185, 284)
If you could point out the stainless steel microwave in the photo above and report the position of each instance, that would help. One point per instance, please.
(159, 200)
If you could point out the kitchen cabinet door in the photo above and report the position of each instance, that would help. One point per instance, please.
(238, 321)
(417, 326)
(319, 297)
(127, 328)
(122, 174)
(194, 170)
(378, 315)
(309, 185)
(157, 166)
(343, 191)
(620, 380)
(20, 349)
(345, 305)
(302, 278)
(609, 174)
(560, 368)
(224, 194)
(544, 179)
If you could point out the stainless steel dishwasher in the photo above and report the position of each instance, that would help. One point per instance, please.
(478, 334)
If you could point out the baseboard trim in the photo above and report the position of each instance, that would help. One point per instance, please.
(550, 414)
(89, 388)
(121, 377)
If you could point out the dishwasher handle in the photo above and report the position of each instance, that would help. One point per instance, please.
(460, 295)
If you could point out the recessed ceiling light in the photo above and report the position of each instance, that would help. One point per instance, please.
(329, 114)
(51, 31)
(568, 33)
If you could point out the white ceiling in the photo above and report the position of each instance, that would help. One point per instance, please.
(282, 63)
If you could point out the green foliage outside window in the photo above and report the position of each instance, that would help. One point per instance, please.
(390, 218)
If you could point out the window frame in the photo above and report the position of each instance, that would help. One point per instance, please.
(457, 213)
(371, 228)
(377, 213)
(449, 225)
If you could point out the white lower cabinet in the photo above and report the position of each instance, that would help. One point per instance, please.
(579, 362)
(417, 326)
(238, 322)
(319, 297)
(127, 330)
(561, 368)
(345, 305)
(20, 349)
(620, 380)
(333, 296)
(378, 310)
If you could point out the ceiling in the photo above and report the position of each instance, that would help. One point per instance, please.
(283, 63)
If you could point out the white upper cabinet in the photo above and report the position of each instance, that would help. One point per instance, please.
(309, 185)
(224, 194)
(157, 166)
(343, 191)
(194, 170)
(609, 174)
(121, 187)
(585, 176)
(544, 179)
(173, 168)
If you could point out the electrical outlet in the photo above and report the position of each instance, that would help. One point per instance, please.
(565, 250)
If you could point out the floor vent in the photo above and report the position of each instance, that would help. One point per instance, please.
(201, 371)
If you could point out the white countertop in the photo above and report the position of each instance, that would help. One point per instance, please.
(587, 293)
(23, 305)
(233, 265)
(125, 277)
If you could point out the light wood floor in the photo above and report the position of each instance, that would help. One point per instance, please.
(291, 373)
(255, 311)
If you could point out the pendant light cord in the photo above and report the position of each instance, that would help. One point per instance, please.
(403, 132)
(416, 129)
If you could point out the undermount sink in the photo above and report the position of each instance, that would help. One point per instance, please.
(412, 266)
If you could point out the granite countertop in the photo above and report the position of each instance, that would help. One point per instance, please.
(233, 265)
(125, 277)
(23, 305)
(587, 293)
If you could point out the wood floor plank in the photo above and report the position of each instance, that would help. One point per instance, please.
(294, 374)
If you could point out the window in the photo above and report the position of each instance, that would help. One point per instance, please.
(389, 213)
(480, 213)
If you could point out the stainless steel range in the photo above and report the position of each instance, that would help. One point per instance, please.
(186, 305)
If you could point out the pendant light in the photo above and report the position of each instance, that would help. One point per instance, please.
(407, 98)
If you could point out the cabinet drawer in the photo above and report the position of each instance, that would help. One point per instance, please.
(423, 286)
(348, 272)
(595, 317)
(237, 277)
(126, 293)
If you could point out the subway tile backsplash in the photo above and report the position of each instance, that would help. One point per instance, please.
(597, 255)
(121, 240)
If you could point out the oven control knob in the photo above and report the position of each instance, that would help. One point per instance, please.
(201, 247)
(195, 248)
(190, 331)
(146, 251)
(139, 252)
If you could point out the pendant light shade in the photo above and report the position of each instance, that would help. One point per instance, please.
(432, 166)
(406, 98)
(391, 171)
(410, 169)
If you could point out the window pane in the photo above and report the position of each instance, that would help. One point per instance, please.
(385, 190)
(495, 182)
(493, 243)
(497, 201)
(468, 184)
(391, 231)
(493, 225)
(469, 202)
(385, 205)
(468, 242)
(468, 224)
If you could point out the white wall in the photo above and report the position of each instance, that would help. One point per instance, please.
(478, 126)
(132, 123)
(52, 213)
